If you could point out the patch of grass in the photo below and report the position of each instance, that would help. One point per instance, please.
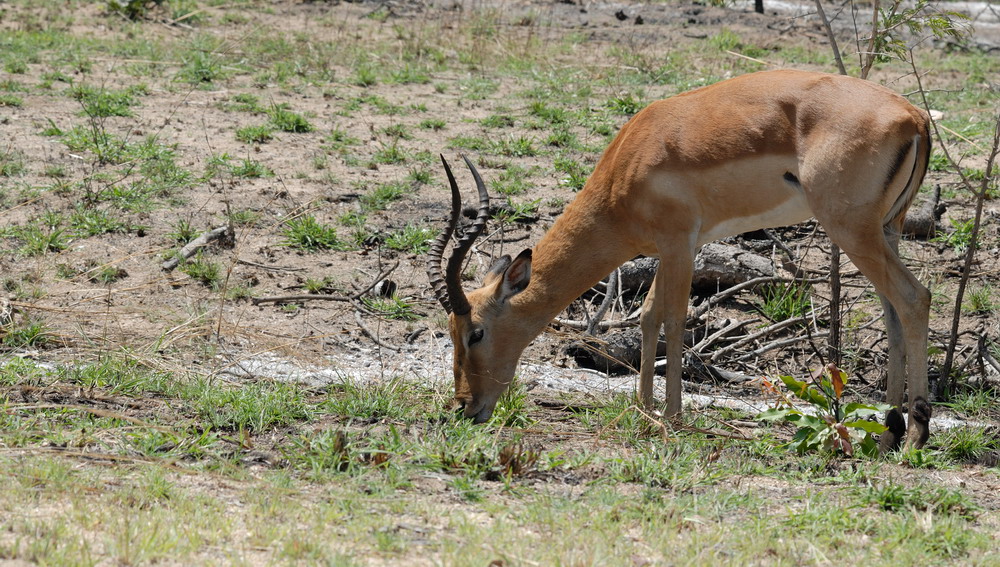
(552, 115)
(250, 168)
(204, 271)
(435, 124)
(498, 121)
(392, 399)
(981, 300)
(12, 100)
(783, 301)
(30, 333)
(412, 239)
(86, 222)
(37, 240)
(967, 444)
(288, 121)
(574, 174)
(182, 233)
(900, 498)
(398, 132)
(390, 154)
(393, 307)
(520, 146)
(254, 134)
(382, 195)
(514, 180)
(627, 104)
(471, 143)
(99, 102)
(255, 407)
(973, 402)
(562, 138)
(960, 237)
(120, 374)
(12, 163)
(306, 233)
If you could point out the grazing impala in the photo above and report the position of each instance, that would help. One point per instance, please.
(761, 150)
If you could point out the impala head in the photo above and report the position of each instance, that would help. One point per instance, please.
(485, 332)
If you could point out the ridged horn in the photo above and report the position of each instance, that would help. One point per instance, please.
(448, 286)
(436, 252)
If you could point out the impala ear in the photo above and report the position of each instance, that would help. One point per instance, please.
(515, 277)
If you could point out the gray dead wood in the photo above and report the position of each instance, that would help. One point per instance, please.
(922, 222)
(191, 248)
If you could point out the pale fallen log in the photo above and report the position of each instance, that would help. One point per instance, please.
(191, 248)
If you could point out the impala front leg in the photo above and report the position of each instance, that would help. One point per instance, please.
(666, 305)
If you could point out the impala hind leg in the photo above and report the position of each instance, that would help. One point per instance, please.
(907, 304)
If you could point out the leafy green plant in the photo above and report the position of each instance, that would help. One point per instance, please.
(960, 236)
(512, 181)
(980, 300)
(30, 333)
(517, 212)
(251, 168)
(288, 121)
(38, 240)
(781, 301)
(520, 146)
(11, 163)
(967, 444)
(12, 100)
(498, 121)
(510, 408)
(916, 17)
(828, 424)
(627, 104)
(411, 238)
(575, 174)
(204, 271)
(102, 102)
(391, 308)
(254, 134)
(434, 124)
(380, 197)
(390, 154)
(306, 233)
(183, 232)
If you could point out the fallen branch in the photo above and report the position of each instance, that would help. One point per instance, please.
(191, 248)
(610, 294)
(711, 339)
(762, 333)
(318, 297)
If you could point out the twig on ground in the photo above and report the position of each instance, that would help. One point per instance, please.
(610, 294)
(317, 297)
(191, 248)
(270, 268)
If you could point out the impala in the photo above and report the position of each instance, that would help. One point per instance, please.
(762, 150)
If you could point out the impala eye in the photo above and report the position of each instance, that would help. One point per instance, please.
(475, 336)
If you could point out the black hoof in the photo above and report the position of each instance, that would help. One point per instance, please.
(893, 436)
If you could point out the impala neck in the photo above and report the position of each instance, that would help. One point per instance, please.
(579, 250)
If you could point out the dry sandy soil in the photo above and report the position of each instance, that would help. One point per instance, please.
(178, 322)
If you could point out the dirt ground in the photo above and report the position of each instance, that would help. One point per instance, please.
(181, 323)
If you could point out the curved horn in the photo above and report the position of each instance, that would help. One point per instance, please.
(434, 272)
(453, 273)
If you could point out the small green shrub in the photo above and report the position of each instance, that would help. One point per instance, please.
(306, 233)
